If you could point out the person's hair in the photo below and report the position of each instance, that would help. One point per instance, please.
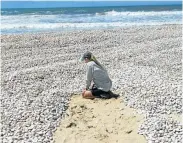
(92, 58)
(88, 55)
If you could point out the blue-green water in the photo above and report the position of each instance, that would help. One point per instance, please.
(63, 19)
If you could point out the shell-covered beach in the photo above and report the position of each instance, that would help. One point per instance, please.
(40, 72)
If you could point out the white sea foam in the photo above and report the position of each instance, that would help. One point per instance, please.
(76, 25)
(141, 13)
(37, 22)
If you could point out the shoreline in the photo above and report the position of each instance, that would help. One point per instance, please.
(88, 30)
(41, 71)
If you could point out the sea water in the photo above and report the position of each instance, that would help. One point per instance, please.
(68, 19)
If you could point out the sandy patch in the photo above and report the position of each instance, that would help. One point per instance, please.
(99, 121)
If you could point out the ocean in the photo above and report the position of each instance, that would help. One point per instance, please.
(31, 20)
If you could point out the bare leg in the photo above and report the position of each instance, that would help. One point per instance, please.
(87, 94)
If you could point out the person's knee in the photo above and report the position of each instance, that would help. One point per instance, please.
(83, 93)
(88, 94)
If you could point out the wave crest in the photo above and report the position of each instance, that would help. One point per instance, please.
(141, 13)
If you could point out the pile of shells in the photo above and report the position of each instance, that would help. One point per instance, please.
(41, 71)
(160, 129)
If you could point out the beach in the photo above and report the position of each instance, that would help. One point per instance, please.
(41, 72)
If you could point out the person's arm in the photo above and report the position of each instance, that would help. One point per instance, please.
(89, 77)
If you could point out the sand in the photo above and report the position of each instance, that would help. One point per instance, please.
(99, 121)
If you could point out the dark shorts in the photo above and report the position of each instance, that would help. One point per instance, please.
(97, 92)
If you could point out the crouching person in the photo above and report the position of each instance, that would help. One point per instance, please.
(97, 76)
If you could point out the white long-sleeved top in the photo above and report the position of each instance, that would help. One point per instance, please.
(99, 76)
